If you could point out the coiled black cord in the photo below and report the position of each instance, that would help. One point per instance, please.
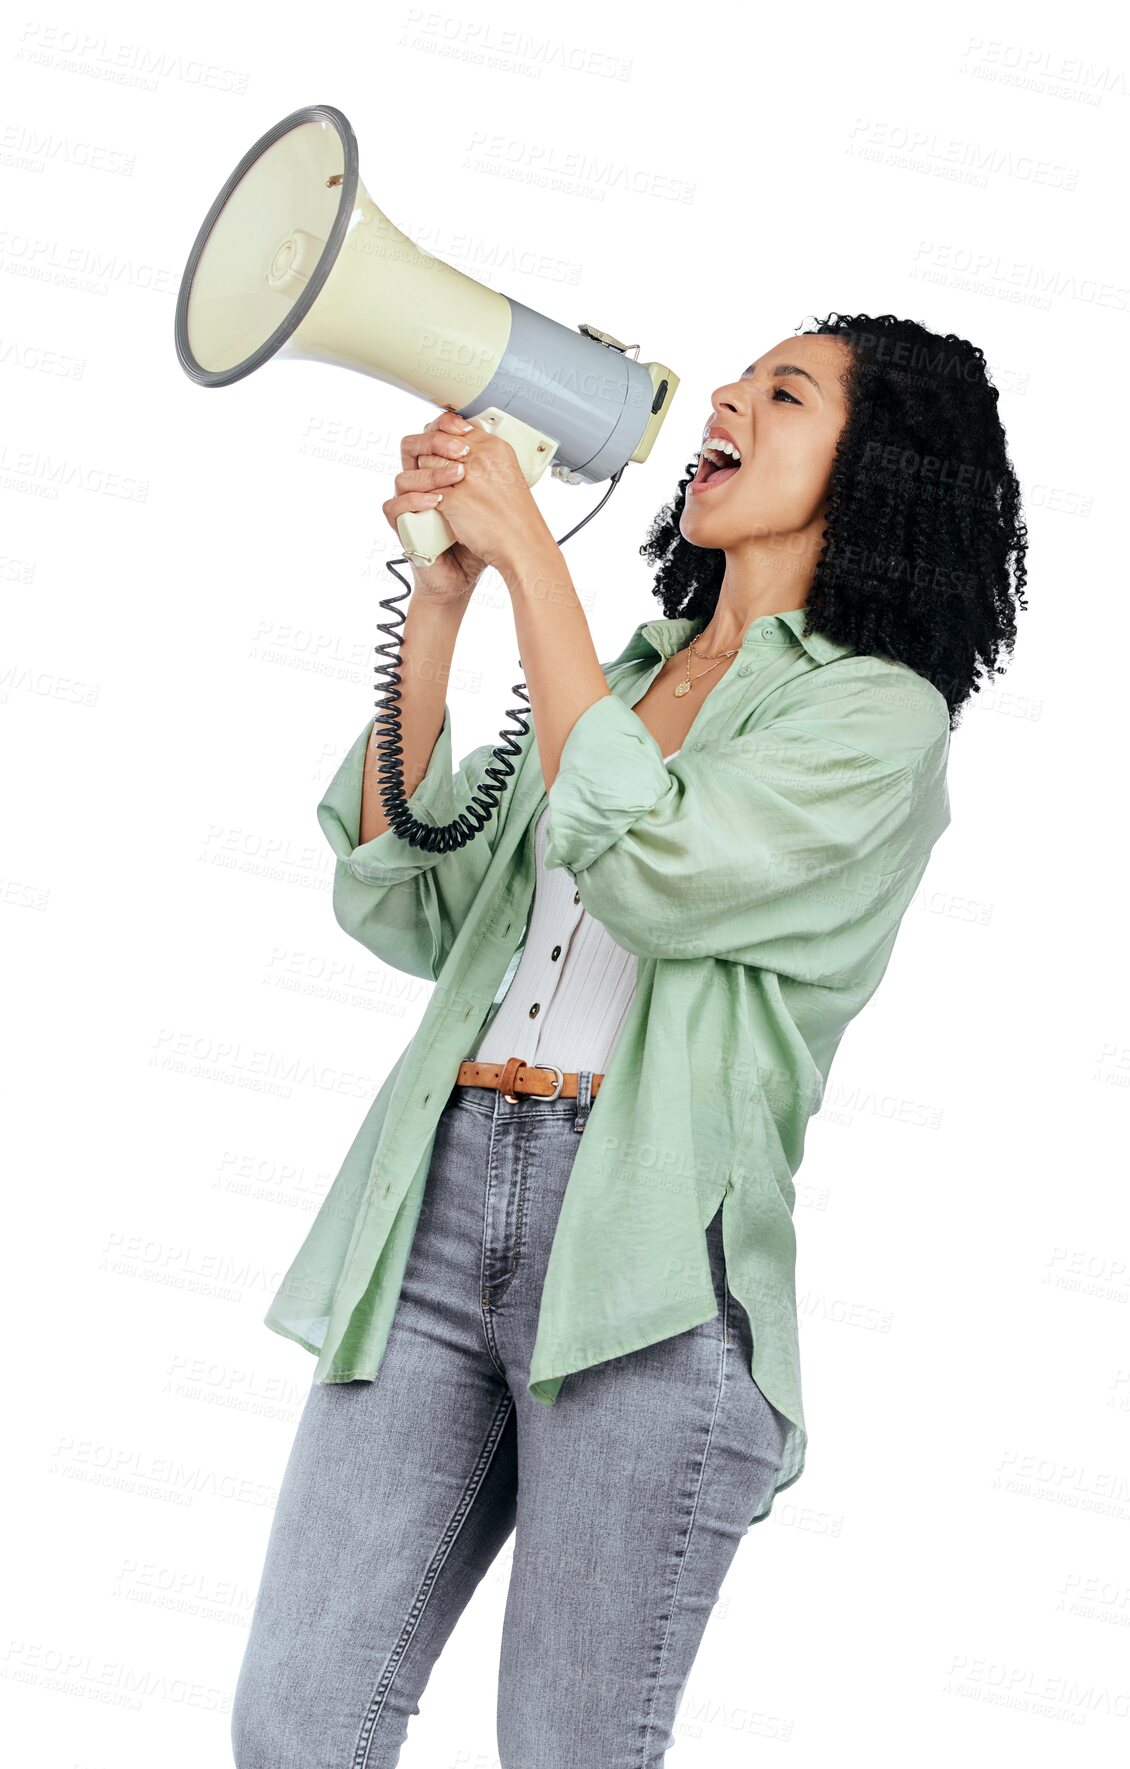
(446, 838)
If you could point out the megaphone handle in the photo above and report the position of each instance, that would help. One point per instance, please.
(425, 535)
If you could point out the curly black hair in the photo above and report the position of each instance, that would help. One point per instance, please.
(924, 532)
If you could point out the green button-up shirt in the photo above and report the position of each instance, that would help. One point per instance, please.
(759, 877)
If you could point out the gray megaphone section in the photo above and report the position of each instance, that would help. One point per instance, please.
(596, 401)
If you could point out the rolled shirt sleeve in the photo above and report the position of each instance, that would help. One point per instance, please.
(772, 848)
(404, 903)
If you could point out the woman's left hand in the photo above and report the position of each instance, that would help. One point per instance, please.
(491, 509)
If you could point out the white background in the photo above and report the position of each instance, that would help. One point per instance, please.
(191, 584)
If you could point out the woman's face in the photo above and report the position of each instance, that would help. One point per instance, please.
(785, 413)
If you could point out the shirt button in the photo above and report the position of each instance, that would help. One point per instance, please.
(746, 669)
(576, 896)
(535, 1010)
(556, 953)
(766, 632)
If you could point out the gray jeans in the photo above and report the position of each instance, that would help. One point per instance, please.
(637, 1485)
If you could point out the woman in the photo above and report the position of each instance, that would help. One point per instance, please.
(552, 1288)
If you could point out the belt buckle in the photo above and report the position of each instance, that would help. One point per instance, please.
(560, 1073)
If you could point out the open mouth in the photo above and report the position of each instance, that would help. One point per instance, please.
(713, 472)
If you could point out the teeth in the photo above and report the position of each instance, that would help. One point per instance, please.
(719, 448)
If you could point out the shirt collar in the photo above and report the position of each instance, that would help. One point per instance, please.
(663, 638)
(819, 645)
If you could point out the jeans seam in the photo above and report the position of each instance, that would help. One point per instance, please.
(435, 1566)
(650, 1720)
(488, 1195)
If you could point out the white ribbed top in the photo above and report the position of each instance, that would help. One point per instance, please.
(567, 990)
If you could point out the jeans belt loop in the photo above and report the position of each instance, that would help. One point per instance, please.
(584, 1099)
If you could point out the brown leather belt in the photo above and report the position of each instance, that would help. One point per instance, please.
(516, 1076)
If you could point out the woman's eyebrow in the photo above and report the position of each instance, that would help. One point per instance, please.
(788, 368)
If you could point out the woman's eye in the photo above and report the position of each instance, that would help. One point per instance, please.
(786, 393)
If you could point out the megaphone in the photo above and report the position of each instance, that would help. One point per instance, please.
(295, 260)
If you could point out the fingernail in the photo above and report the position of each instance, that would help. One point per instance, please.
(458, 471)
(467, 427)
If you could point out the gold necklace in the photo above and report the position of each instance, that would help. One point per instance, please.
(685, 687)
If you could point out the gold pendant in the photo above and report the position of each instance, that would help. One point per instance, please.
(683, 688)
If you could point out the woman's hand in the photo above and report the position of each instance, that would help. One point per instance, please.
(490, 508)
(426, 467)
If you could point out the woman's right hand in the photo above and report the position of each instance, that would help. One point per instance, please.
(427, 461)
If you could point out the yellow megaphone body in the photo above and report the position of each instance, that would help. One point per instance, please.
(295, 259)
